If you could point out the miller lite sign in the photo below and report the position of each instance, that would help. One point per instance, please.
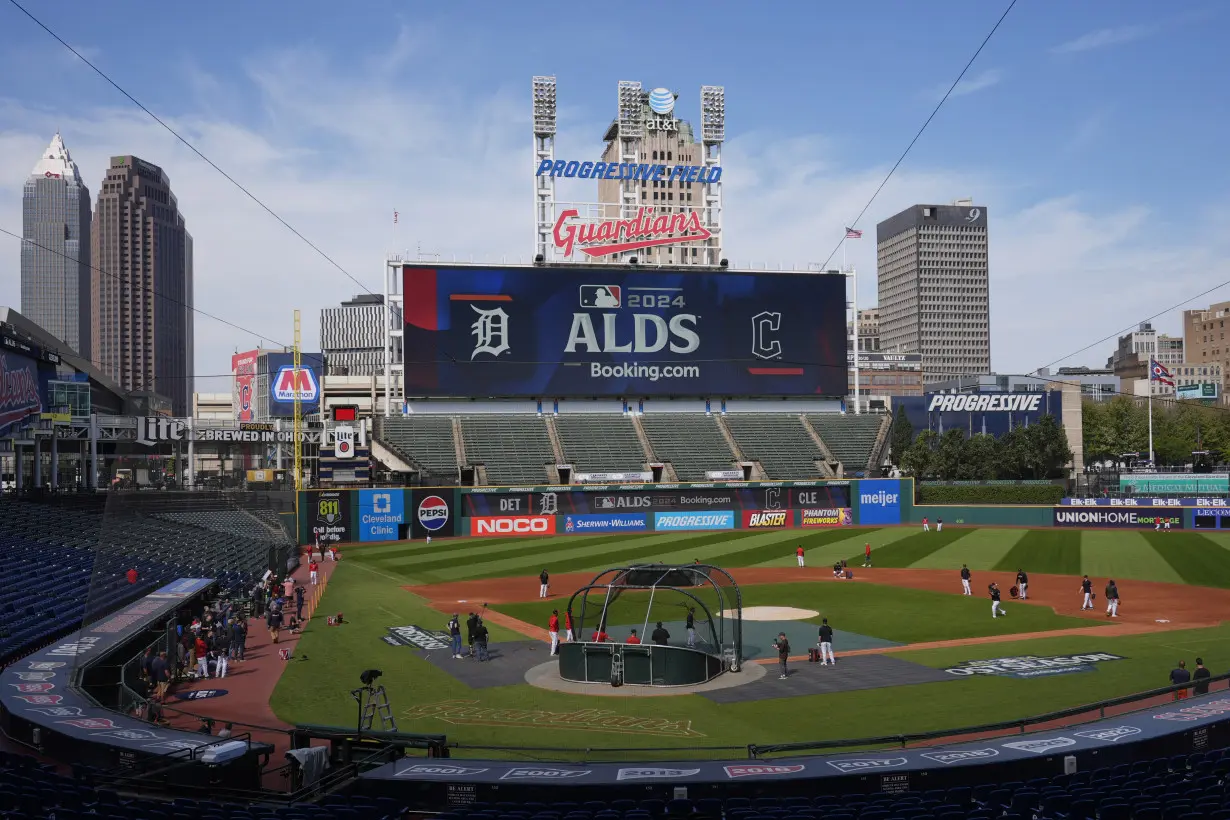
(343, 442)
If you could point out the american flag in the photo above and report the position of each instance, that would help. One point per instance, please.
(395, 217)
(1159, 373)
(853, 234)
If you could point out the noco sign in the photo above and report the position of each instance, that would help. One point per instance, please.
(513, 525)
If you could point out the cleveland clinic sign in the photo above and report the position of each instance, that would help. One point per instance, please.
(985, 403)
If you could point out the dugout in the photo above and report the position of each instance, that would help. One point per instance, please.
(638, 597)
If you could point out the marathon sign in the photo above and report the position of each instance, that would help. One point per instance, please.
(1141, 519)
(842, 517)
(985, 402)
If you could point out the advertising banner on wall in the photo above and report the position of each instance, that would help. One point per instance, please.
(382, 515)
(766, 519)
(631, 499)
(627, 522)
(22, 390)
(1121, 519)
(879, 501)
(509, 525)
(618, 331)
(243, 375)
(839, 517)
(285, 382)
(719, 520)
(331, 519)
(1176, 483)
(992, 413)
(432, 513)
(1135, 503)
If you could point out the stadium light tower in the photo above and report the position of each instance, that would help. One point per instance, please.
(544, 149)
(631, 133)
(712, 135)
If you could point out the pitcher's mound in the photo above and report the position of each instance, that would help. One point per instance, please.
(777, 613)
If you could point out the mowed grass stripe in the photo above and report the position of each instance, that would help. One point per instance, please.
(478, 550)
(632, 550)
(981, 550)
(749, 552)
(409, 549)
(1057, 552)
(1123, 554)
(909, 550)
(826, 553)
(1197, 559)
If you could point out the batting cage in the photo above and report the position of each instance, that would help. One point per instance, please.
(696, 608)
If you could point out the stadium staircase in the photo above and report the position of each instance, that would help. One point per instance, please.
(691, 443)
(553, 434)
(779, 442)
(830, 467)
(879, 454)
(420, 444)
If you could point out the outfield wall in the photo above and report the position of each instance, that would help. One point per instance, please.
(394, 514)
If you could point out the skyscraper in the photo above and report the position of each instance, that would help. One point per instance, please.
(352, 336)
(55, 256)
(933, 280)
(142, 283)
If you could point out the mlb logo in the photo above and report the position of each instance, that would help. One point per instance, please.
(568, 525)
(601, 296)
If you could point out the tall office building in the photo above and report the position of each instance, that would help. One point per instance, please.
(352, 336)
(142, 284)
(55, 256)
(933, 280)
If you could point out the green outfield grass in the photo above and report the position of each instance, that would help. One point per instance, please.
(892, 613)
(1179, 557)
(315, 685)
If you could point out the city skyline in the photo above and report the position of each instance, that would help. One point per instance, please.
(335, 140)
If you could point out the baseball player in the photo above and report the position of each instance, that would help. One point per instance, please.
(965, 580)
(1087, 590)
(553, 630)
(926, 525)
(691, 625)
(544, 584)
(996, 608)
(867, 554)
(1166, 525)
(798, 554)
(1022, 581)
(568, 625)
(1112, 599)
(826, 643)
(837, 571)
(939, 525)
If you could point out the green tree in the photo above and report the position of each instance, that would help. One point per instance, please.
(1050, 453)
(980, 458)
(902, 435)
(948, 454)
(918, 461)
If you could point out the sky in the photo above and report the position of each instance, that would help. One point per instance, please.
(1093, 133)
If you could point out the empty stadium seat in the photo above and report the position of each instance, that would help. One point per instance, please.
(514, 449)
(425, 441)
(691, 442)
(600, 443)
(850, 438)
(779, 442)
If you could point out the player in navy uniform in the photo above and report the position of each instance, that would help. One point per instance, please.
(826, 643)
(1022, 581)
(1087, 590)
(996, 609)
(965, 580)
(691, 627)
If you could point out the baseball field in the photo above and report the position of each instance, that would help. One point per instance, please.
(906, 638)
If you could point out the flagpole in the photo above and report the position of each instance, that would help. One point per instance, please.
(1151, 412)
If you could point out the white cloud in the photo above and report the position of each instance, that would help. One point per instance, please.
(969, 85)
(336, 150)
(1103, 38)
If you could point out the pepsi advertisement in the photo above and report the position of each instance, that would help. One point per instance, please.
(631, 501)
(432, 513)
(619, 331)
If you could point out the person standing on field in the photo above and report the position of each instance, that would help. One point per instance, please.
(544, 584)
(996, 608)
(867, 554)
(926, 525)
(1201, 677)
(1087, 591)
(690, 624)
(826, 643)
(1022, 581)
(1180, 675)
(553, 630)
(965, 580)
(939, 525)
(568, 625)
(798, 553)
(454, 634)
(783, 652)
(1112, 599)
